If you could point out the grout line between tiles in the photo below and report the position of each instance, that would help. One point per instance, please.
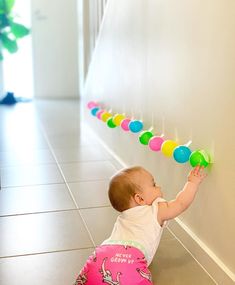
(62, 174)
(94, 207)
(40, 212)
(84, 161)
(108, 149)
(52, 211)
(54, 183)
(31, 185)
(45, 252)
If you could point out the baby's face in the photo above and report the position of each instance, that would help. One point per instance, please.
(148, 187)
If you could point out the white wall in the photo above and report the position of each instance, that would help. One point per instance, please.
(175, 61)
(1, 81)
(90, 15)
(55, 48)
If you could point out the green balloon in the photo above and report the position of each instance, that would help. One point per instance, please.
(145, 136)
(110, 123)
(199, 157)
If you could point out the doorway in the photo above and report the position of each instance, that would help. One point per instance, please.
(17, 68)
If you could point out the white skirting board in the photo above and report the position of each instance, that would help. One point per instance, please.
(214, 267)
(201, 253)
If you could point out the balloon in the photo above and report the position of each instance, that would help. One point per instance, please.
(145, 136)
(110, 123)
(99, 113)
(91, 104)
(155, 143)
(105, 116)
(125, 124)
(199, 157)
(168, 147)
(94, 111)
(118, 118)
(135, 126)
(181, 153)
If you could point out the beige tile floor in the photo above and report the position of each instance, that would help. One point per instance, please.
(53, 200)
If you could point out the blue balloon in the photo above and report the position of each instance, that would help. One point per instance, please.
(94, 111)
(135, 126)
(181, 153)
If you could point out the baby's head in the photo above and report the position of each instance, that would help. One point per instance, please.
(132, 187)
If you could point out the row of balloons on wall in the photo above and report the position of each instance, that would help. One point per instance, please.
(169, 148)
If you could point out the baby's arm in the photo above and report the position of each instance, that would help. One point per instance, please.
(171, 209)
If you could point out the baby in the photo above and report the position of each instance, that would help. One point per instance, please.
(123, 258)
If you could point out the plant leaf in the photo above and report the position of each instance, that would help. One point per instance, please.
(9, 44)
(9, 5)
(4, 22)
(18, 30)
(1, 56)
(2, 6)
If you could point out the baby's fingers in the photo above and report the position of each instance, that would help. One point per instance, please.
(201, 172)
(196, 171)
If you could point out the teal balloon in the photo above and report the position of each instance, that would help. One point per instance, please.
(181, 154)
(199, 157)
(94, 111)
(135, 126)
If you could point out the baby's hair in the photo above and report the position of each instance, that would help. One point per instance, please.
(122, 188)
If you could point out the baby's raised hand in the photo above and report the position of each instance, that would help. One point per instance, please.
(196, 175)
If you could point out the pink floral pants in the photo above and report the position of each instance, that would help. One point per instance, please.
(115, 265)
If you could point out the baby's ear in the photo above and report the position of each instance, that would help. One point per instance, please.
(138, 199)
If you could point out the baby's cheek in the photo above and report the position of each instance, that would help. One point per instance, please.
(151, 201)
(156, 196)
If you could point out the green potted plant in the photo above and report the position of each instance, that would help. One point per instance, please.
(10, 30)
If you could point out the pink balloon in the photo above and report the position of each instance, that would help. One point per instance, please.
(125, 124)
(155, 143)
(99, 113)
(92, 104)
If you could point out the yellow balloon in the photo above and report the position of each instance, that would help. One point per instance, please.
(168, 147)
(118, 118)
(105, 116)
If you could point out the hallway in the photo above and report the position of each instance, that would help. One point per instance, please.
(54, 207)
